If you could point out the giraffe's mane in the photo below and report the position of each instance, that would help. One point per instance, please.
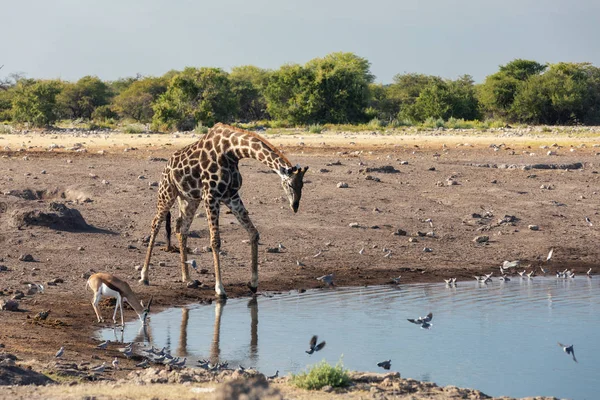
(257, 136)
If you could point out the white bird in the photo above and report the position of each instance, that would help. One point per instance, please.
(193, 264)
(589, 273)
(99, 369)
(327, 279)
(60, 352)
(115, 363)
(530, 275)
(511, 264)
(361, 251)
(521, 274)
(448, 281)
(550, 253)
(102, 346)
(454, 281)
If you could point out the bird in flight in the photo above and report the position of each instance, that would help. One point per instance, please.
(313, 346)
(568, 350)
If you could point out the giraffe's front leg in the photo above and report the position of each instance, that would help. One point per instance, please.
(212, 215)
(237, 208)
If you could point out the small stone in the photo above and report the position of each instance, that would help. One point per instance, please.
(3, 268)
(81, 248)
(141, 177)
(273, 250)
(534, 227)
(494, 181)
(481, 239)
(195, 284)
(58, 280)
(431, 169)
(9, 305)
(427, 250)
(138, 267)
(400, 232)
(327, 389)
(342, 185)
(412, 240)
(403, 162)
(354, 225)
(162, 264)
(18, 295)
(105, 182)
(153, 184)
(43, 172)
(26, 257)
(69, 161)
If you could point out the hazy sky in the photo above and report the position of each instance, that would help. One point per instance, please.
(115, 38)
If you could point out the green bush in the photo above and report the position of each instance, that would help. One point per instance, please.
(315, 128)
(134, 128)
(322, 374)
(433, 123)
(104, 113)
(34, 102)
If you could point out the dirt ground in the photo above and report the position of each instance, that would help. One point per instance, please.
(445, 178)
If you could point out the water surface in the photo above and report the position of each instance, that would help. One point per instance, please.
(500, 338)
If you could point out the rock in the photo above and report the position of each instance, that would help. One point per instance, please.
(431, 169)
(141, 177)
(26, 258)
(412, 240)
(403, 162)
(342, 185)
(10, 374)
(534, 227)
(3, 268)
(427, 250)
(327, 389)
(81, 248)
(105, 182)
(254, 388)
(162, 264)
(400, 232)
(481, 239)
(57, 216)
(372, 178)
(9, 305)
(354, 225)
(138, 267)
(273, 250)
(195, 284)
(153, 184)
(18, 295)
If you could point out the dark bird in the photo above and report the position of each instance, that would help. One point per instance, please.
(385, 364)
(420, 320)
(568, 350)
(314, 346)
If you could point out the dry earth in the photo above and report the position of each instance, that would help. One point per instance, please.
(489, 181)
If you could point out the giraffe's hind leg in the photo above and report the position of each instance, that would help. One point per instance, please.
(166, 198)
(237, 208)
(187, 209)
(169, 248)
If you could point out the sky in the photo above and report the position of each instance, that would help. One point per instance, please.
(69, 39)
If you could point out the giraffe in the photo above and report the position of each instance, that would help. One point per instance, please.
(207, 171)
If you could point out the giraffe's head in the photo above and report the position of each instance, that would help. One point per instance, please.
(291, 181)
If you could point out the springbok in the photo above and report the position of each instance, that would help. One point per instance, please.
(110, 286)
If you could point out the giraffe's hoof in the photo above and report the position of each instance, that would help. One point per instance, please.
(252, 288)
(144, 282)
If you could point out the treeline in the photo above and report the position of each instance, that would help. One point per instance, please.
(337, 88)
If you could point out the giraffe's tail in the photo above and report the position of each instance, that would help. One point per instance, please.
(168, 228)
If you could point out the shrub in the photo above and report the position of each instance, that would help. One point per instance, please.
(315, 128)
(322, 374)
(433, 123)
(104, 113)
(134, 128)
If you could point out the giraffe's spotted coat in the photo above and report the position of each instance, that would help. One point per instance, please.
(207, 171)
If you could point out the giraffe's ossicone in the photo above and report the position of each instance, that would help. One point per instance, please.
(207, 171)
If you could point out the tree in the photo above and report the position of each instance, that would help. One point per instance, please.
(405, 90)
(34, 101)
(498, 91)
(248, 83)
(288, 94)
(80, 99)
(137, 99)
(195, 96)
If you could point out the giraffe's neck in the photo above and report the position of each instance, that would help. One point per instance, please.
(250, 146)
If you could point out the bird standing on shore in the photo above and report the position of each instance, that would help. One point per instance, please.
(115, 363)
(102, 346)
(327, 279)
(60, 352)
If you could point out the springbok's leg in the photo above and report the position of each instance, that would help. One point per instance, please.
(237, 208)
(121, 308)
(116, 308)
(212, 215)
(166, 198)
(95, 302)
(187, 209)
